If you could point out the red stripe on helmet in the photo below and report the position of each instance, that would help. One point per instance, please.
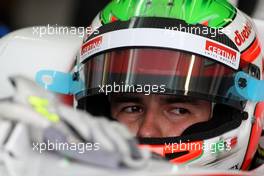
(254, 136)
(193, 150)
(252, 52)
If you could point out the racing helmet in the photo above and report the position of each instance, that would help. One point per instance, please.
(206, 50)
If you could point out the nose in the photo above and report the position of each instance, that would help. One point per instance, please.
(149, 126)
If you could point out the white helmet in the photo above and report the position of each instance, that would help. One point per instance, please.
(207, 50)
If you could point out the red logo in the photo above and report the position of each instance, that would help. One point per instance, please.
(92, 44)
(242, 36)
(220, 50)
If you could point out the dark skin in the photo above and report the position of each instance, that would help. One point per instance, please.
(158, 115)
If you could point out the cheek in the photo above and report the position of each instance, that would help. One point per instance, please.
(131, 123)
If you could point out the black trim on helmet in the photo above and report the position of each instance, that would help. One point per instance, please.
(224, 120)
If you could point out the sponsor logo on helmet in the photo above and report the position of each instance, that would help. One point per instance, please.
(220, 52)
(242, 36)
(92, 45)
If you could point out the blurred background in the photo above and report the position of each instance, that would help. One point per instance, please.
(15, 14)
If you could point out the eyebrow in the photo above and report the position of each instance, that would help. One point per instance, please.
(126, 99)
(179, 100)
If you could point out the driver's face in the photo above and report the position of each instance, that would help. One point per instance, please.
(158, 115)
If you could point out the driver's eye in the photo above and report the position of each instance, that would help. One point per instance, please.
(132, 109)
(180, 111)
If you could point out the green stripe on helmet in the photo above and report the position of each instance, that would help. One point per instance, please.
(214, 13)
